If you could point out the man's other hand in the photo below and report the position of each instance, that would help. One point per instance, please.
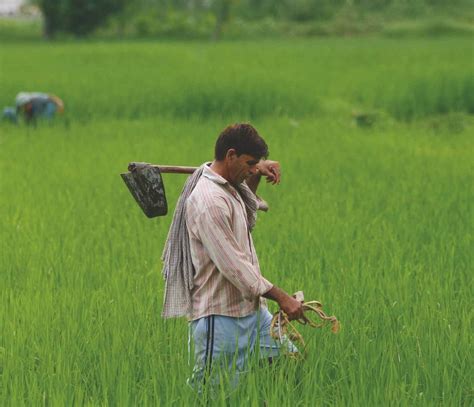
(271, 170)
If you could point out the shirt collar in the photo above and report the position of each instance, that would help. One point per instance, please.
(213, 176)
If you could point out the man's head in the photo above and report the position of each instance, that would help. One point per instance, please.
(238, 149)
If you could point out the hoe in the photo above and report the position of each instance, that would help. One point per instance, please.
(146, 185)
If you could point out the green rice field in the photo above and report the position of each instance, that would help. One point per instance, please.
(373, 217)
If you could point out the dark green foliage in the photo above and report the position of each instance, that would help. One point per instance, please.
(249, 18)
(308, 10)
(79, 17)
(222, 10)
(83, 16)
(53, 12)
(428, 28)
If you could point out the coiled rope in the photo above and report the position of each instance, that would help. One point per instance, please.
(283, 330)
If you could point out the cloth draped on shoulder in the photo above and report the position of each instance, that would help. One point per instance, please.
(178, 269)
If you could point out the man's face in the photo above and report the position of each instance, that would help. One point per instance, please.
(241, 167)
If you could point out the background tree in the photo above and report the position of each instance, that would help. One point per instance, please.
(79, 17)
(53, 14)
(222, 10)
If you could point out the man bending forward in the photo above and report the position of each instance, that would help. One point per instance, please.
(227, 316)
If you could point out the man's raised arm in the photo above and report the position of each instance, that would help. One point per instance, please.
(267, 168)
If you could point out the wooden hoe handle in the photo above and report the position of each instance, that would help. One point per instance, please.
(168, 169)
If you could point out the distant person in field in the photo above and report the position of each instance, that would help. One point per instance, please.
(210, 264)
(36, 105)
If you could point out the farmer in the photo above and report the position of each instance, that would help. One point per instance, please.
(33, 105)
(210, 265)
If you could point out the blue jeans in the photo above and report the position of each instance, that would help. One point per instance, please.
(222, 342)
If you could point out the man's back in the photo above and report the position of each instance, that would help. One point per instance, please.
(227, 279)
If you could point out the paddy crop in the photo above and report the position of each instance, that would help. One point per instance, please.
(376, 221)
(406, 78)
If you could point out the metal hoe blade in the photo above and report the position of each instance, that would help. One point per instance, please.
(146, 185)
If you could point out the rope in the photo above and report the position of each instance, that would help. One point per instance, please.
(283, 330)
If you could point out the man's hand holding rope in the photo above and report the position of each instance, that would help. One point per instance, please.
(288, 304)
(282, 328)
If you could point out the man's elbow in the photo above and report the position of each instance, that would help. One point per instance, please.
(257, 289)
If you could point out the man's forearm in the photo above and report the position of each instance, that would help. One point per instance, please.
(287, 303)
(268, 169)
(276, 294)
(253, 182)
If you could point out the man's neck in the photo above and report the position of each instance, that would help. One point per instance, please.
(220, 169)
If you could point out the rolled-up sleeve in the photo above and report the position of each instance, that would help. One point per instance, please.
(213, 227)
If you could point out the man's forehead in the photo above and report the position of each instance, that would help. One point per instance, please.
(250, 158)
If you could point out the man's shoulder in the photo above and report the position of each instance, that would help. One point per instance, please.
(207, 194)
(206, 189)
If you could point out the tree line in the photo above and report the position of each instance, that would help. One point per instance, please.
(81, 17)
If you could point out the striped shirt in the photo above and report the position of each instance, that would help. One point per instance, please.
(227, 277)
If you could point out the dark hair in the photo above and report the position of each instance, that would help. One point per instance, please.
(242, 137)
